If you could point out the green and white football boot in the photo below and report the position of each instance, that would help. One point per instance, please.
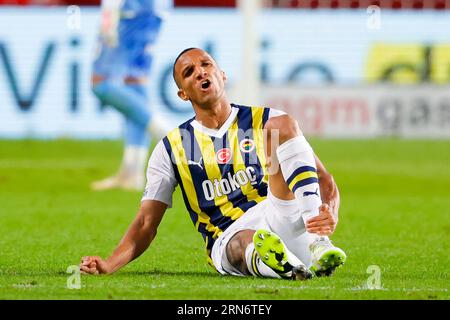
(274, 253)
(325, 257)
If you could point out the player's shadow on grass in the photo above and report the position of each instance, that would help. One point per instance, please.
(169, 273)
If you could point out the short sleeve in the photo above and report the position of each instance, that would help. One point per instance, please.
(161, 181)
(275, 113)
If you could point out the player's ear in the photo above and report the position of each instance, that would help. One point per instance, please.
(182, 95)
(224, 76)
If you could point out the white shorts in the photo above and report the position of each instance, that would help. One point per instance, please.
(280, 216)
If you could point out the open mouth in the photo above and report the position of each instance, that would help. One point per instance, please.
(206, 84)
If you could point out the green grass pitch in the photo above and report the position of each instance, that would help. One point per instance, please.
(394, 215)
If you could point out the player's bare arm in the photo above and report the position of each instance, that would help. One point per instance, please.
(136, 240)
(325, 223)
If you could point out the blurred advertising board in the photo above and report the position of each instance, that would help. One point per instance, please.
(366, 111)
(321, 55)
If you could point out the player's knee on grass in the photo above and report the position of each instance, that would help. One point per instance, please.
(236, 250)
(286, 126)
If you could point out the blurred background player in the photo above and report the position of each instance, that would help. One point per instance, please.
(129, 29)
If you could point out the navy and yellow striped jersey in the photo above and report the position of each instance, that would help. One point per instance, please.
(221, 177)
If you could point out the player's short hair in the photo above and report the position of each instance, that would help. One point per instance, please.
(178, 57)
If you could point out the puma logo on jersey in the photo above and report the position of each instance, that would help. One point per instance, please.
(308, 193)
(199, 163)
(224, 186)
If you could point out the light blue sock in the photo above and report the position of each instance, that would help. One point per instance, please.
(131, 102)
(135, 133)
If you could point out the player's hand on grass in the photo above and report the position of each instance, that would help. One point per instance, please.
(323, 224)
(93, 265)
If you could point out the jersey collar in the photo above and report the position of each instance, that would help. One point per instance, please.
(223, 129)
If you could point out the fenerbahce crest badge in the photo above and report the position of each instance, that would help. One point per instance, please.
(247, 145)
